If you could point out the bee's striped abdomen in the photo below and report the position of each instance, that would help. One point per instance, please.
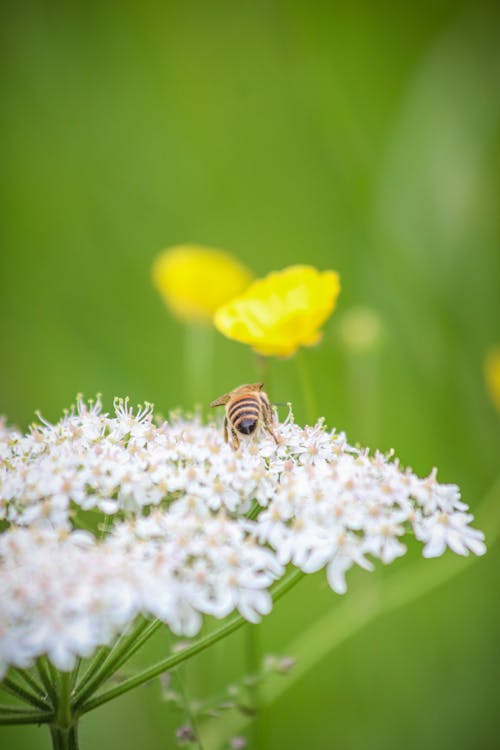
(244, 414)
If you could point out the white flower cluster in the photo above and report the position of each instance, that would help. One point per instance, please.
(335, 505)
(63, 594)
(123, 463)
(176, 541)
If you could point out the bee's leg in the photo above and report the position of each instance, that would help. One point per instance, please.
(226, 437)
(268, 414)
(270, 431)
(236, 440)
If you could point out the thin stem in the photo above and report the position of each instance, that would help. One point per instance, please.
(253, 664)
(30, 680)
(25, 717)
(143, 636)
(253, 657)
(200, 645)
(48, 684)
(74, 674)
(189, 712)
(54, 675)
(9, 708)
(254, 511)
(198, 363)
(262, 365)
(123, 649)
(11, 686)
(308, 395)
(96, 663)
(364, 392)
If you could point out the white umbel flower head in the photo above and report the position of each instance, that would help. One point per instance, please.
(171, 538)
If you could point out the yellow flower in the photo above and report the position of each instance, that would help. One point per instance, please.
(281, 312)
(194, 280)
(492, 374)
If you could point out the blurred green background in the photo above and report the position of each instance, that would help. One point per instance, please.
(360, 136)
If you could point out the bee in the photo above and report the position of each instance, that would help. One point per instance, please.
(246, 408)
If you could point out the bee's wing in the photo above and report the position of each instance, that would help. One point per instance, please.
(256, 386)
(221, 400)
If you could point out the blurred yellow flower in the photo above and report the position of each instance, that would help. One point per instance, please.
(194, 280)
(492, 374)
(285, 310)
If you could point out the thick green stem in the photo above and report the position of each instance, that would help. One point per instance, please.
(308, 395)
(200, 645)
(64, 701)
(63, 730)
(55, 735)
(64, 738)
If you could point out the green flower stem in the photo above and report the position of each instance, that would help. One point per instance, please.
(188, 709)
(121, 651)
(262, 365)
(254, 664)
(30, 680)
(97, 661)
(63, 717)
(48, 683)
(74, 674)
(308, 395)
(198, 364)
(200, 645)
(364, 392)
(20, 716)
(361, 608)
(63, 729)
(10, 708)
(253, 512)
(56, 737)
(142, 637)
(64, 739)
(12, 687)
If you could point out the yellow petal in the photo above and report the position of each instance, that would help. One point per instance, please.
(278, 314)
(194, 280)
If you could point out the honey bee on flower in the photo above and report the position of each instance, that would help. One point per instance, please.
(246, 407)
